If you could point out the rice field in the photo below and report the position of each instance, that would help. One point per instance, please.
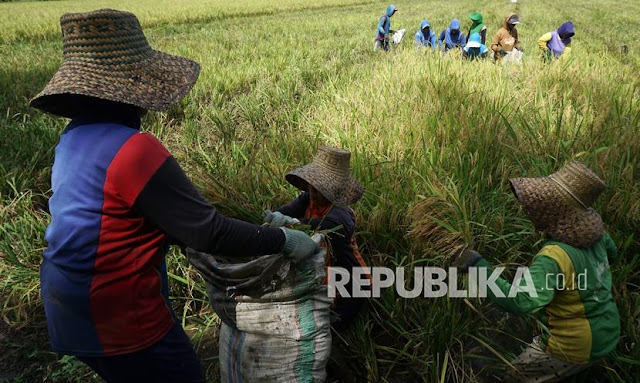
(433, 141)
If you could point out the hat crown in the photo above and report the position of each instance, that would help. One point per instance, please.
(103, 37)
(334, 160)
(583, 183)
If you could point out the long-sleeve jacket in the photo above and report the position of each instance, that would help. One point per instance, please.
(506, 39)
(574, 301)
(384, 24)
(119, 199)
(344, 249)
(428, 40)
(553, 44)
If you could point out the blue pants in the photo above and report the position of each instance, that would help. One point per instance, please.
(172, 359)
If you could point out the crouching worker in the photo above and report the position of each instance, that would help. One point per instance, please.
(452, 37)
(474, 48)
(570, 274)
(384, 28)
(328, 188)
(119, 200)
(425, 37)
(557, 43)
(506, 39)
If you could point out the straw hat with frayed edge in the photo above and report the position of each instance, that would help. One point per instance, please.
(329, 174)
(107, 56)
(560, 204)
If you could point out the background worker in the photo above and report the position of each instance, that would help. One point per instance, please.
(506, 39)
(384, 28)
(557, 43)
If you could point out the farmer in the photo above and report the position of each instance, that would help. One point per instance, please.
(425, 37)
(506, 39)
(478, 26)
(384, 28)
(474, 48)
(119, 200)
(452, 37)
(328, 188)
(570, 274)
(557, 43)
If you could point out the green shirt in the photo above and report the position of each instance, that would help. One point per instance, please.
(574, 299)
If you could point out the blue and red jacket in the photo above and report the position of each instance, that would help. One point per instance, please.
(119, 199)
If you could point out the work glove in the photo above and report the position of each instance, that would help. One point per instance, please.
(298, 245)
(277, 219)
(467, 258)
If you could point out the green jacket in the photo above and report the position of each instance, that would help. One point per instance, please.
(574, 299)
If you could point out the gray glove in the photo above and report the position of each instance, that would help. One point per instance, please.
(277, 219)
(298, 245)
(467, 258)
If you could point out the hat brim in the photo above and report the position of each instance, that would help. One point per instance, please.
(155, 83)
(567, 223)
(338, 193)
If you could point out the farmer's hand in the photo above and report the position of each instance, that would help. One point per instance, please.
(467, 258)
(298, 245)
(277, 219)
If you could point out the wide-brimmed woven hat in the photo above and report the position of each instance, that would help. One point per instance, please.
(560, 204)
(329, 174)
(107, 56)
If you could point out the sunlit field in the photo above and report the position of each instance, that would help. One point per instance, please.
(433, 140)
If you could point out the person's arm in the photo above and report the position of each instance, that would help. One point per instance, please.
(463, 41)
(483, 35)
(441, 39)
(518, 44)
(612, 249)
(336, 218)
(495, 42)
(150, 181)
(543, 272)
(433, 40)
(297, 207)
(381, 26)
(543, 40)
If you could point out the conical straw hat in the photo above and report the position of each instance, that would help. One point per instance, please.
(329, 174)
(560, 204)
(107, 56)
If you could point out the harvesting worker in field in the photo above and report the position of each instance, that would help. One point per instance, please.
(474, 48)
(119, 200)
(571, 276)
(478, 26)
(425, 37)
(328, 188)
(384, 28)
(557, 43)
(452, 37)
(506, 39)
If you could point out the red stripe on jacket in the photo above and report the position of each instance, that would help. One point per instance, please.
(126, 299)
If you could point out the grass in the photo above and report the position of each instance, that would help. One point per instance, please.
(433, 139)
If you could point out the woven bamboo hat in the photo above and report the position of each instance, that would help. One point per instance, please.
(107, 56)
(560, 204)
(329, 174)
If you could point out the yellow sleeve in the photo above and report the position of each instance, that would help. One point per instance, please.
(543, 40)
